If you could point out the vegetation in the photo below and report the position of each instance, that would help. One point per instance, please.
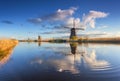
(100, 40)
(7, 43)
(6, 47)
(57, 40)
(74, 38)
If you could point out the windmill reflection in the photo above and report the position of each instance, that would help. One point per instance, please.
(39, 43)
(72, 61)
(73, 47)
(89, 58)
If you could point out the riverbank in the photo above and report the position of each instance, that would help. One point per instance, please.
(7, 43)
(6, 48)
(79, 40)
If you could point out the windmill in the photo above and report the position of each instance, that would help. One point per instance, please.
(73, 36)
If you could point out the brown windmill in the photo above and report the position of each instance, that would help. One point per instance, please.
(73, 36)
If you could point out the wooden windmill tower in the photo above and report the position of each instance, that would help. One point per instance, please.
(73, 36)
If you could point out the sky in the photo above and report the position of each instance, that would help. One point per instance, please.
(22, 19)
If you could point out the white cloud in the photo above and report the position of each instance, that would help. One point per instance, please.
(71, 21)
(90, 18)
(92, 23)
(102, 27)
(59, 15)
(66, 16)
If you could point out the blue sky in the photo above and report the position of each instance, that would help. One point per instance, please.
(17, 17)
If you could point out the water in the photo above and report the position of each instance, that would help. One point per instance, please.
(61, 62)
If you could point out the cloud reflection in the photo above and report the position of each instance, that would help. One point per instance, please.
(94, 63)
(72, 62)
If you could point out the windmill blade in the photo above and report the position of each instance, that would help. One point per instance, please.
(93, 35)
(75, 28)
(66, 27)
(79, 28)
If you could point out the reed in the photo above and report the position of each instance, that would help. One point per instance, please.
(6, 48)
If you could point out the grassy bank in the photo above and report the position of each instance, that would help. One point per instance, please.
(6, 48)
(79, 39)
(7, 43)
(100, 40)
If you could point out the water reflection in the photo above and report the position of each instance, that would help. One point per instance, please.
(94, 63)
(39, 43)
(72, 61)
(73, 47)
(89, 58)
(62, 61)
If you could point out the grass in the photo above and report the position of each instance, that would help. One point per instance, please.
(100, 40)
(6, 47)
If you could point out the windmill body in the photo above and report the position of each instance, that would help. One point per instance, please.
(73, 36)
